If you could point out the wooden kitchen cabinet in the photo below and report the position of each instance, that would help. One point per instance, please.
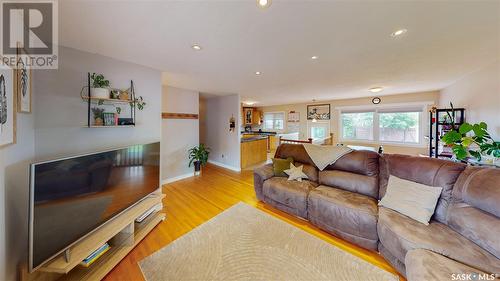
(256, 117)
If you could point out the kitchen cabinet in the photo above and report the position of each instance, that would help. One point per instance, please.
(252, 116)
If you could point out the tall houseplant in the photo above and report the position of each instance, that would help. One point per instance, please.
(198, 156)
(471, 140)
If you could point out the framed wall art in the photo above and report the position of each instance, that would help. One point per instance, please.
(8, 106)
(318, 112)
(23, 85)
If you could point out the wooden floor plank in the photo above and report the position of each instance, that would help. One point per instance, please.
(193, 201)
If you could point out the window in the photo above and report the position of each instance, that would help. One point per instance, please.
(319, 129)
(400, 127)
(389, 125)
(357, 126)
(274, 120)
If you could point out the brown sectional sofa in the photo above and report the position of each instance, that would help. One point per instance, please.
(463, 235)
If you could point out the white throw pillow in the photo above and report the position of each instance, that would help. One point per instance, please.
(411, 199)
(295, 173)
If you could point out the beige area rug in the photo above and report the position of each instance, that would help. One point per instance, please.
(244, 243)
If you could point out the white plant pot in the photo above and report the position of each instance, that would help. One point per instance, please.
(100, 93)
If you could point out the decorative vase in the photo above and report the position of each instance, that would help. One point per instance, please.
(98, 122)
(99, 93)
(124, 95)
(197, 168)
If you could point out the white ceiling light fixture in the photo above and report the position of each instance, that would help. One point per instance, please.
(264, 3)
(196, 47)
(314, 57)
(399, 32)
(376, 89)
(258, 73)
(250, 102)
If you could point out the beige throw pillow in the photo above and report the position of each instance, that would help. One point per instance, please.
(411, 199)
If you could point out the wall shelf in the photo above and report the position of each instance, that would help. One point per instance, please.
(96, 100)
(106, 127)
(93, 100)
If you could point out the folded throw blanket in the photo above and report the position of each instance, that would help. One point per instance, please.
(324, 155)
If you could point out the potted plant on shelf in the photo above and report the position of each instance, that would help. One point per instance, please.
(98, 121)
(198, 156)
(100, 86)
(471, 140)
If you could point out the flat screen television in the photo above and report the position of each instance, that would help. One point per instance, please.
(72, 197)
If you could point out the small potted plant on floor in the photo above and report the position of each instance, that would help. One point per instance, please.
(198, 156)
(100, 86)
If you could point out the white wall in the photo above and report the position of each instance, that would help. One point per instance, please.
(54, 129)
(61, 113)
(479, 94)
(178, 135)
(224, 145)
(14, 182)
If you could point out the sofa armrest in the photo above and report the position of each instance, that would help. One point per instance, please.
(423, 265)
(260, 175)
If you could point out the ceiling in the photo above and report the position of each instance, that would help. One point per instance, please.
(445, 41)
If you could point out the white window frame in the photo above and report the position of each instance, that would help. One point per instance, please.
(274, 112)
(423, 122)
(325, 123)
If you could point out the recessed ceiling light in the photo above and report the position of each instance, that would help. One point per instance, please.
(376, 89)
(314, 57)
(399, 32)
(250, 102)
(258, 73)
(196, 47)
(264, 3)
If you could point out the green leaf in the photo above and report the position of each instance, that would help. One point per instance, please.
(483, 125)
(459, 151)
(452, 137)
(467, 141)
(465, 128)
(475, 154)
(479, 131)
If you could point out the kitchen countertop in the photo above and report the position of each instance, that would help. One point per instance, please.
(256, 138)
(260, 133)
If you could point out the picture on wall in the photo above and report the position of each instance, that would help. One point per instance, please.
(23, 84)
(318, 112)
(23, 88)
(7, 106)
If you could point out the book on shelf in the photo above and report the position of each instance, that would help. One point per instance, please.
(95, 255)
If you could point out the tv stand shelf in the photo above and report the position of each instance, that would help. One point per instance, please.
(122, 233)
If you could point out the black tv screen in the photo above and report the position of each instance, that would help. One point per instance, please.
(71, 197)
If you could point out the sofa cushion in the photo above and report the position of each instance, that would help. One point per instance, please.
(424, 265)
(361, 162)
(297, 151)
(362, 184)
(479, 187)
(480, 227)
(280, 165)
(289, 193)
(310, 171)
(349, 215)
(428, 171)
(400, 234)
(411, 199)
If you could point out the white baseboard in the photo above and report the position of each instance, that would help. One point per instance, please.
(170, 180)
(236, 169)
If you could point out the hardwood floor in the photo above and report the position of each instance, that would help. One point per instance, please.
(190, 202)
